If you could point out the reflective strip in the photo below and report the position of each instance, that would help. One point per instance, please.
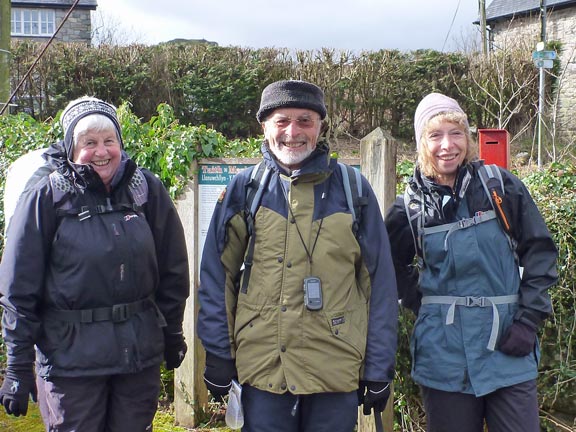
(470, 301)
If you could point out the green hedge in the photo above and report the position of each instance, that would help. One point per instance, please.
(220, 86)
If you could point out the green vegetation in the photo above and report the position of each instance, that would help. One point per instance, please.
(220, 86)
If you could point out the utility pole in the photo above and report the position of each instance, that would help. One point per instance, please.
(542, 83)
(5, 13)
(482, 10)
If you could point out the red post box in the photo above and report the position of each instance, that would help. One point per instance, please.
(494, 148)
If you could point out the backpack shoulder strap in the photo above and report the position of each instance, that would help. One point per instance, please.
(353, 190)
(139, 187)
(255, 187)
(491, 179)
(493, 184)
(259, 179)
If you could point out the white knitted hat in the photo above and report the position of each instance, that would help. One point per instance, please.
(432, 105)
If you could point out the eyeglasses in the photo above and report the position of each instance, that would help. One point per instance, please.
(303, 122)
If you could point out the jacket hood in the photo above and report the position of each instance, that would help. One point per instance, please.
(83, 175)
(440, 201)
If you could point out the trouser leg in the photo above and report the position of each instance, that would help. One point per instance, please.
(270, 412)
(452, 412)
(329, 412)
(72, 404)
(513, 409)
(133, 401)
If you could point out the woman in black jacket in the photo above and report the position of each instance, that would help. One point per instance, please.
(95, 276)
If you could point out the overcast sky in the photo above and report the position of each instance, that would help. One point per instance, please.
(299, 24)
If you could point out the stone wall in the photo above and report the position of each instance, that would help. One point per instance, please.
(560, 26)
(78, 27)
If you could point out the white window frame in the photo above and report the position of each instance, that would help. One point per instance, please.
(33, 22)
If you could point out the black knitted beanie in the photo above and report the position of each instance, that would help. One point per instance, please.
(291, 94)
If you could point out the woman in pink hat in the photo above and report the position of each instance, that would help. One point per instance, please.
(470, 226)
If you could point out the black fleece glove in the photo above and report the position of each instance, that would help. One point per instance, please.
(175, 349)
(218, 375)
(373, 394)
(18, 386)
(518, 340)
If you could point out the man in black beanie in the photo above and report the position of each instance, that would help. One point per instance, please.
(297, 294)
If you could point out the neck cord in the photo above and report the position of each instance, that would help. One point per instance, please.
(308, 253)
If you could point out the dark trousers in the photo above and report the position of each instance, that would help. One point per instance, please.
(321, 412)
(509, 409)
(111, 403)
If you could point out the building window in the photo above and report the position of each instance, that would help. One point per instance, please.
(33, 22)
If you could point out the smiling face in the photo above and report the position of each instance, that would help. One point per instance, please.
(445, 146)
(100, 149)
(292, 134)
(447, 143)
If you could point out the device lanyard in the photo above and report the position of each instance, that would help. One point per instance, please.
(308, 253)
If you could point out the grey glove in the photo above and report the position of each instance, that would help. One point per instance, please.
(373, 395)
(18, 386)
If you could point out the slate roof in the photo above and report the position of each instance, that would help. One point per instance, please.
(60, 4)
(499, 9)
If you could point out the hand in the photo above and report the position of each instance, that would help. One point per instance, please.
(519, 340)
(16, 389)
(218, 375)
(373, 394)
(174, 350)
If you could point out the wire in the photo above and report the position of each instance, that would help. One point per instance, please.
(451, 24)
(27, 74)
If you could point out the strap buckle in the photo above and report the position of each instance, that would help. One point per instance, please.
(475, 301)
(84, 213)
(86, 316)
(120, 312)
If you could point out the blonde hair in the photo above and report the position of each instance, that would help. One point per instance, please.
(425, 157)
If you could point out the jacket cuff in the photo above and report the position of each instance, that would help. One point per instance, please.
(531, 318)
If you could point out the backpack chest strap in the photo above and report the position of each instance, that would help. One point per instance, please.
(86, 212)
(458, 225)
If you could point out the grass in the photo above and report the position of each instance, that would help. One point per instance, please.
(32, 422)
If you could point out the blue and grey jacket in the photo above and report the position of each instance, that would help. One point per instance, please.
(468, 288)
(278, 344)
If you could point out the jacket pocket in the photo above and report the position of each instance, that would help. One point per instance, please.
(350, 326)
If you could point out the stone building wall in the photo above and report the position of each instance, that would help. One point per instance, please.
(78, 27)
(560, 26)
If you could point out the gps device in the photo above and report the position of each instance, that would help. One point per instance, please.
(313, 293)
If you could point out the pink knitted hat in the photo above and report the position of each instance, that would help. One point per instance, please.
(432, 105)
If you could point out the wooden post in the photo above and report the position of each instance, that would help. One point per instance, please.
(378, 156)
(378, 164)
(190, 395)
